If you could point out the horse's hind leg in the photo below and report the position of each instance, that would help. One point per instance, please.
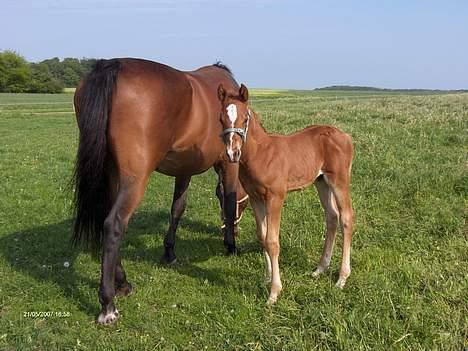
(179, 202)
(340, 188)
(122, 286)
(130, 193)
(331, 223)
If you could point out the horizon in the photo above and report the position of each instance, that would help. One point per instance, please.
(297, 45)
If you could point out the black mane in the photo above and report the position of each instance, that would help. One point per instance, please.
(219, 64)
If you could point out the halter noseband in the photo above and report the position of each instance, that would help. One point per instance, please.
(241, 131)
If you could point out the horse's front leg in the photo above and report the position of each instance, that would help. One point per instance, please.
(179, 202)
(241, 202)
(230, 174)
(274, 205)
(260, 213)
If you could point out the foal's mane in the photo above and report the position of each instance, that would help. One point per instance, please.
(259, 121)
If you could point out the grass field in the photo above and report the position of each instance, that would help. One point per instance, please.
(408, 289)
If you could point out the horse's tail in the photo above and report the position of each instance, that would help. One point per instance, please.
(91, 177)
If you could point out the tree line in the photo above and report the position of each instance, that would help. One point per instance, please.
(17, 75)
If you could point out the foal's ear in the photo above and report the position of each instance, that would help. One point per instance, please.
(221, 93)
(244, 93)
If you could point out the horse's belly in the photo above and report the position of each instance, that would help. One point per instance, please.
(186, 162)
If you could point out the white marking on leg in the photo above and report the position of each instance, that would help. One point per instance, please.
(276, 285)
(267, 267)
(108, 318)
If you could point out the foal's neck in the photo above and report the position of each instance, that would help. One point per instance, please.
(257, 139)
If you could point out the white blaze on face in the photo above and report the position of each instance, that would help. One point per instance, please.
(230, 151)
(232, 113)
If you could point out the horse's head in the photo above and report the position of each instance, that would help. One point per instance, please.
(235, 117)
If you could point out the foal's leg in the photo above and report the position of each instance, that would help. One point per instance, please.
(327, 200)
(272, 245)
(179, 202)
(130, 193)
(261, 226)
(340, 188)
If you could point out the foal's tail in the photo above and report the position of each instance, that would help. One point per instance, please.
(91, 178)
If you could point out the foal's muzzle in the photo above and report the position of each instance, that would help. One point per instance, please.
(233, 146)
(233, 155)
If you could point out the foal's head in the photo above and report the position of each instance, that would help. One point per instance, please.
(235, 118)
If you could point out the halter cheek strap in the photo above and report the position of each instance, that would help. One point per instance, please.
(241, 131)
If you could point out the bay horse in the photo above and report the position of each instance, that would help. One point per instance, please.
(135, 117)
(272, 165)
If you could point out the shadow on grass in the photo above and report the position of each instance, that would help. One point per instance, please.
(41, 253)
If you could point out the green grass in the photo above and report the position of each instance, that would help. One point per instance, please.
(69, 90)
(408, 289)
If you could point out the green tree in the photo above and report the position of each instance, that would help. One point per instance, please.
(42, 81)
(15, 72)
(55, 67)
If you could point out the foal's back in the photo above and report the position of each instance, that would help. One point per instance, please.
(312, 151)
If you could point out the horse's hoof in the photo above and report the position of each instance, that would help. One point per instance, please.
(168, 259)
(271, 300)
(232, 251)
(108, 318)
(125, 289)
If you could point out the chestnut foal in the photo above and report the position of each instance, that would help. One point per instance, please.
(272, 165)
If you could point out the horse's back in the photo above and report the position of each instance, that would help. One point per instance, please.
(168, 118)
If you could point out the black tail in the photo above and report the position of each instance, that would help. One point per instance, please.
(91, 177)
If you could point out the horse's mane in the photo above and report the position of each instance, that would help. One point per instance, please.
(219, 64)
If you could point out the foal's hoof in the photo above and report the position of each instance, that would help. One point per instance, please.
(124, 289)
(340, 284)
(318, 271)
(271, 300)
(108, 318)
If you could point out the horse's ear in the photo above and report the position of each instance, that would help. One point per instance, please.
(244, 93)
(221, 93)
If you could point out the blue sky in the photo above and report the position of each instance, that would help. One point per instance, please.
(275, 44)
